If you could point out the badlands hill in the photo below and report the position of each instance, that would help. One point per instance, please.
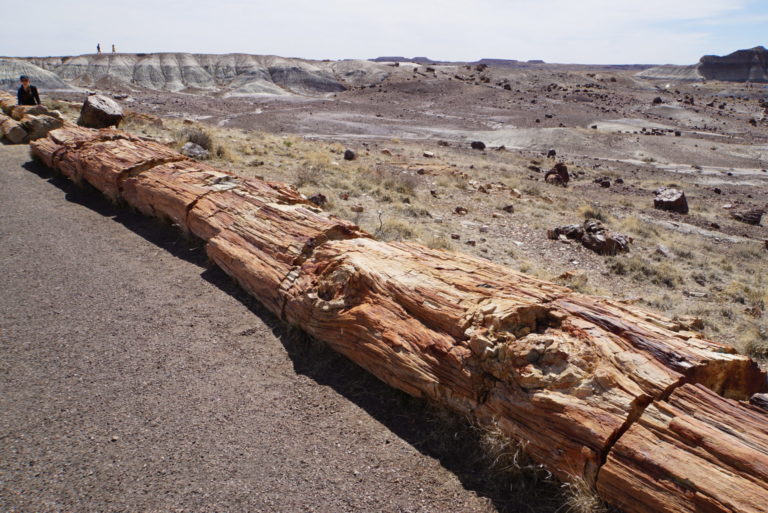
(740, 66)
(11, 69)
(230, 74)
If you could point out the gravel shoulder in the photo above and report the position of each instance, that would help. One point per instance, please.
(137, 379)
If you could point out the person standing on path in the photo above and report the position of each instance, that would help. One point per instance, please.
(98, 47)
(27, 94)
(113, 48)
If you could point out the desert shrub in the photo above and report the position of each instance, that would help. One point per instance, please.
(592, 212)
(753, 340)
(394, 229)
(439, 242)
(195, 135)
(638, 228)
(642, 270)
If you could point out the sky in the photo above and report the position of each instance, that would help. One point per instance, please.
(564, 31)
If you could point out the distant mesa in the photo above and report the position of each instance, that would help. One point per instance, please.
(740, 66)
(230, 74)
(509, 63)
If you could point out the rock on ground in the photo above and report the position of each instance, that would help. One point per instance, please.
(195, 151)
(100, 112)
(672, 200)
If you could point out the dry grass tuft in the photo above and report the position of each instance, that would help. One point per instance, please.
(218, 147)
(395, 229)
(592, 212)
(581, 497)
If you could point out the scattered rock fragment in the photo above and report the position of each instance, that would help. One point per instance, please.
(349, 154)
(594, 236)
(195, 151)
(356, 208)
(461, 211)
(477, 145)
(455, 236)
(759, 400)
(688, 323)
(558, 175)
(664, 251)
(551, 154)
(672, 200)
(658, 100)
(429, 154)
(509, 209)
(603, 181)
(386, 152)
(318, 199)
(100, 112)
(753, 216)
(575, 278)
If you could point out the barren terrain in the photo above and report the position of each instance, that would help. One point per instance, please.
(411, 132)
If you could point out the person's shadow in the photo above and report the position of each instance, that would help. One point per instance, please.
(485, 464)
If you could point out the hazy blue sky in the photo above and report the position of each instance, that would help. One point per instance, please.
(584, 31)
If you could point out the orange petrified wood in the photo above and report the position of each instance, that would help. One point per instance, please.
(598, 390)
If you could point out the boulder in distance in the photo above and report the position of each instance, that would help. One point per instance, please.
(100, 112)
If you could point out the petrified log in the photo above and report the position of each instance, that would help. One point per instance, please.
(19, 112)
(695, 452)
(672, 200)
(12, 130)
(39, 126)
(582, 380)
(7, 102)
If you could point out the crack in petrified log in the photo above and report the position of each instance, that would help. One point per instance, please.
(581, 380)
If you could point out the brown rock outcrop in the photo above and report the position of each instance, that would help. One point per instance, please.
(582, 380)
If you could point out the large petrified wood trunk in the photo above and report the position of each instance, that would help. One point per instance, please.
(694, 452)
(596, 389)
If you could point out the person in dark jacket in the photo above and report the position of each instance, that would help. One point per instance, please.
(27, 94)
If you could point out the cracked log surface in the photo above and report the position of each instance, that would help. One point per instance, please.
(596, 389)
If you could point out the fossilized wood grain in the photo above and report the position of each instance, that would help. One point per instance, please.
(582, 380)
(696, 452)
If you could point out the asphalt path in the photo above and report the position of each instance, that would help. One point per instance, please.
(135, 377)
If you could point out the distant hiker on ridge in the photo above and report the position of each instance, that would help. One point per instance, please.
(113, 48)
(27, 94)
(98, 47)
